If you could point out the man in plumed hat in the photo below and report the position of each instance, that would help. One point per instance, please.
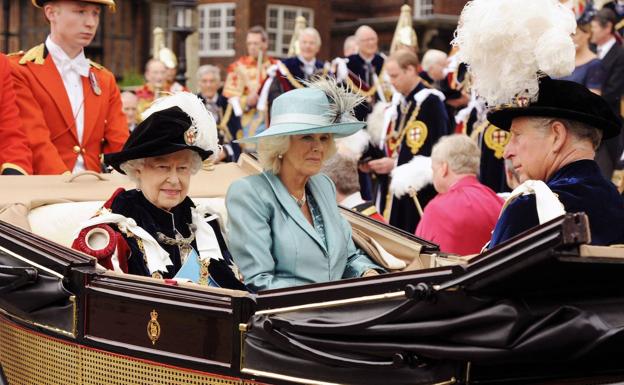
(70, 106)
(555, 125)
(554, 140)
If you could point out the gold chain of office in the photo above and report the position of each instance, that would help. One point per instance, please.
(400, 134)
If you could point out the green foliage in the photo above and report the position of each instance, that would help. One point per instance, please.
(131, 80)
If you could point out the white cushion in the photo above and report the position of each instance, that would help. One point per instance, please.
(60, 221)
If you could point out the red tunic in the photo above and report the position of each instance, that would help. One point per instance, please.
(15, 154)
(462, 219)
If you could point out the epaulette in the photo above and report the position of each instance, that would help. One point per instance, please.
(34, 55)
(18, 53)
(96, 65)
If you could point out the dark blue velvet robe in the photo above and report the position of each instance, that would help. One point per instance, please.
(295, 67)
(358, 73)
(581, 188)
(404, 214)
(233, 125)
(133, 204)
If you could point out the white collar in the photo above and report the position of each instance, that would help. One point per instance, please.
(311, 63)
(604, 48)
(64, 63)
(213, 99)
(352, 200)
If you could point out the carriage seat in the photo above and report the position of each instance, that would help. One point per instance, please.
(59, 222)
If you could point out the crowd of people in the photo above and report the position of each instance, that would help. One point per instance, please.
(425, 149)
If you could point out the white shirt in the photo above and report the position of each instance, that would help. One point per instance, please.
(604, 48)
(308, 66)
(71, 70)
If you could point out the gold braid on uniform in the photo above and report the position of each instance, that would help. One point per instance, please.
(371, 91)
(393, 145)
(296, 83)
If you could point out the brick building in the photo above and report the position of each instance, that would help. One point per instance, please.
(124, 41)
(434, 21)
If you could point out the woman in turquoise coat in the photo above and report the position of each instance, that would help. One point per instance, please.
(284, 227)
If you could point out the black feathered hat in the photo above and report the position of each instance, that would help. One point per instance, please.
(171, 124)
(561, 99)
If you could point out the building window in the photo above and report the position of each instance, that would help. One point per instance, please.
(160, 18)
(281, 25)
(423, 9)
(216, 29)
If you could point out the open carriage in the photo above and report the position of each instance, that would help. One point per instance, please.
(542, 308)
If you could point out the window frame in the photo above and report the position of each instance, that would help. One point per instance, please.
(223, 30)
(281, 49)
(423, 9)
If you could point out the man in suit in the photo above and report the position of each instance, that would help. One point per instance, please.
(70, 107)
(228, 124)
(15, 154)
(612, 56)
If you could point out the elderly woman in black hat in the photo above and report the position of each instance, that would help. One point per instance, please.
(156, 230)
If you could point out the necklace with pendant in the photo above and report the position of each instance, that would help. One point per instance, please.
(300, 202)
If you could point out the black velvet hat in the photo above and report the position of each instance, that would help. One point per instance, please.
(171, 124)
(561, 99)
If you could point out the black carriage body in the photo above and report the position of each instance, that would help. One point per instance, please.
(532, 310)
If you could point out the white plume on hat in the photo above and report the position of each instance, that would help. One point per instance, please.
(509, 44)
(201, 119)
(411, 176)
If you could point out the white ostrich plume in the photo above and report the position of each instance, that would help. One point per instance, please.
(202, 121)
(411, 176)
(353, 146)
(509, 44)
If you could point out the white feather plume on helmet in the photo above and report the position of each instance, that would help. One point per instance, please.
(203, 124)
(509, 44)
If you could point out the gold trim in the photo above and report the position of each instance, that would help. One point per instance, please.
(30, 357)
(286, 72)
(38, 266)
(492, 144)
(416, 133)
(153, 327)
(369, 211)
(284, 377)
(452, 381)
(39, 325)
(326, 304)
(12, 166)
(34, 55)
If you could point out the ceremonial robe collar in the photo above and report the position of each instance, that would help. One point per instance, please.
(133, 204)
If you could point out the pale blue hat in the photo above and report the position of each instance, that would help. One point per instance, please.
(321, 108)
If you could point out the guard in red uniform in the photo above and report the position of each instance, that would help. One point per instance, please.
(15, 155)
(70, 106)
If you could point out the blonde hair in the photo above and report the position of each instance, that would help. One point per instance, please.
(271, 148)
(130, 167)
(459, 151)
